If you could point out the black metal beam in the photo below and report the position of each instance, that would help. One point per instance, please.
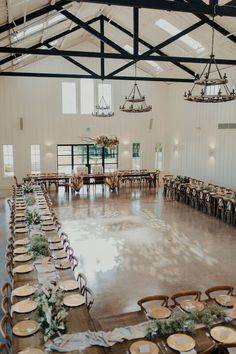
(73, 61)
(102, 49)
(157, 48)
(136, 30)
(43, 11)
(51, 39)
(78, 76)
(168, 5)
(86, 54)
(90, 29)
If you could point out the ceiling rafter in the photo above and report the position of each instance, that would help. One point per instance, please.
(193, 7)
(157, 48)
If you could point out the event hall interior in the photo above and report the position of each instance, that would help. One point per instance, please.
(117, 176)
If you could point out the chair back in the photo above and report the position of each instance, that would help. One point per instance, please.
(6, 290)
(89, 297)
(193, 294)
(227, 289)
(82, 280)
(6, 305)
(208, 350)
(6, 328)
(4, 349)
(161, 299)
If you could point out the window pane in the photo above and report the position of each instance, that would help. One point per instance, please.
(86, 96)
(8, 160)
(64, 150)
(80, 160)
(64, 160)
(110, 167)
(136, 156)
(35, 158)
(64, 169)
(80, 150)
(69, 98)
(105, 91)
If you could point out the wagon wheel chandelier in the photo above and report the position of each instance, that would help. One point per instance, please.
(102, 109)
(135, 102)
(214, 89)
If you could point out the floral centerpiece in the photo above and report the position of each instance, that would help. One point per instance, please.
(76, 182)
(32, 217)
(28, 187)
(106, 141)
(30, 200)
(51, 311)
(112, 181)
(185, 322)
(39, 246)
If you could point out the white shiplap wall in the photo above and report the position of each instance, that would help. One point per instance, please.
(193, 126)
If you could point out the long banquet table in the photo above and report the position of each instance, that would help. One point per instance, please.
(79, 318)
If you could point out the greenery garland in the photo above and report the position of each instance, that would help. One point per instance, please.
(32, 217)
(51, 311)
(30, 200)
(39, 246)
(185, 322)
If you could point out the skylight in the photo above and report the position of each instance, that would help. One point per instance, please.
(129, 49)
(56, 19)
(171, 29)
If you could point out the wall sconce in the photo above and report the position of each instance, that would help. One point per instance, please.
(212, 152)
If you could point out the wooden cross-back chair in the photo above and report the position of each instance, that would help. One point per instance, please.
(163, 299)
(227, 289)
(193, 294)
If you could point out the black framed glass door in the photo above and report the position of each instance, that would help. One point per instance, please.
(70, 157)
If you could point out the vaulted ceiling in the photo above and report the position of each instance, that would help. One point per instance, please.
(165, 44)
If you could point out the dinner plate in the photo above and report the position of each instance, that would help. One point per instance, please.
(31, 351)
(69, 285)
(21, 242)
(59, 255)
(191, 305)
(223, 334)
(25, 290)
(47, 222)
(74, 300)
(20, 250)
(226, 300)
(56, 246)
(20, 208)
(22, 258)
(21, 230)
(143, 346)
(20, 225)
(181, 342)
(62, 265)
(45, 217)
(54, 239)
(25, 328)
(24, 306)
(158, 312)
(19, 215)
(24, 268)
(48, 228)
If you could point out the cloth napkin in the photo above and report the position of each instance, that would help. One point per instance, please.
(83, 340)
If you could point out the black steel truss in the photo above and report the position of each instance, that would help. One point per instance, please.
(120, 52)
(194, 7)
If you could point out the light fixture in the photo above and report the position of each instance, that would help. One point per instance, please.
(102, 109)
(214, 89)
(135, 102)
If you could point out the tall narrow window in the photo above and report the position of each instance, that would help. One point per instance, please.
(105, 91)
(8, 164)
(69, 105)
(86, 96)
(136, 160)
(159, 157)
(35, 158)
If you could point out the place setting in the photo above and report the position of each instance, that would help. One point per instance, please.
(25, 328)
(31, 351)
(74, 300)
(59, 255)
(143, 346)
(69, 285)
(20, 250)
(62, 265)
(226, 300)
(24, 306)
(21, 242)
(24, 290)
(21, 230)
(22, 258)
(223, 334)
(191, 305)
(180, 342)
(158, 312)
(23, 268)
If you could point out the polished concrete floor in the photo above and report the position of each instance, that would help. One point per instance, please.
(135, 244)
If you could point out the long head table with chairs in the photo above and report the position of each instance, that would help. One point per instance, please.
(214, 200)
(162, 325)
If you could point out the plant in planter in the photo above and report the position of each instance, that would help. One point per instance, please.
(39, 246)
(32, 217)
(51, 311)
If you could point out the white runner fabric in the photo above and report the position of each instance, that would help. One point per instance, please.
(82, 340)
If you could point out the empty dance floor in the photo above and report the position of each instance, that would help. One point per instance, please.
(136, 244)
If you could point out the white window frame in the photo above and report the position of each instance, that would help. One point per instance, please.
(88, 112)
(64, 104)
(8, 159)
(33, 158)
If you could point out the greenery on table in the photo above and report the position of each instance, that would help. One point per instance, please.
(28, 187)
(30, 200)
(32, 217)
(51, 311)
(185, 322)
(182, 179)
(39, 246)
